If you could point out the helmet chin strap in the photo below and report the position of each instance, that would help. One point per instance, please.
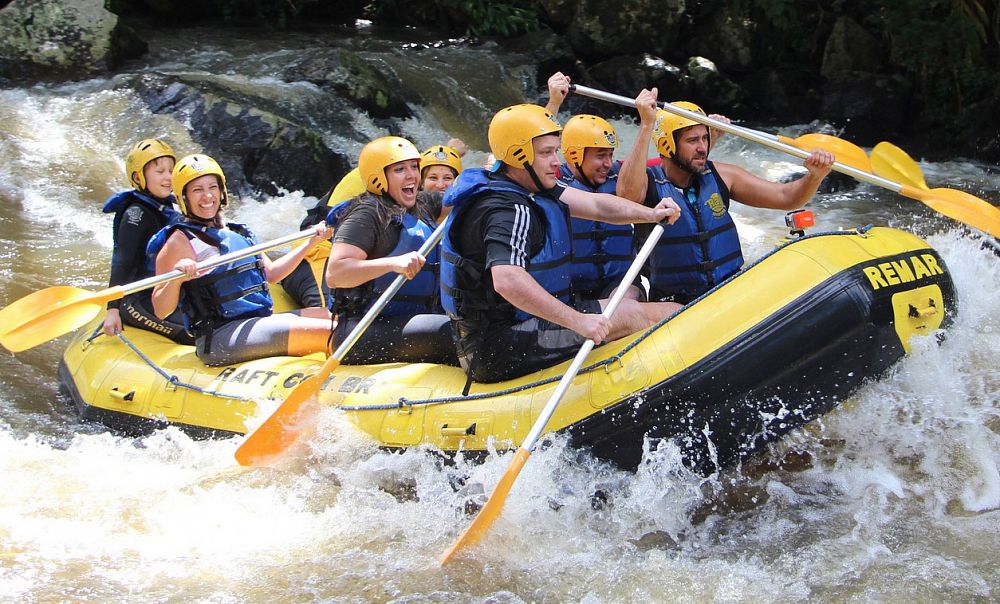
(583, 177)
(534, 177)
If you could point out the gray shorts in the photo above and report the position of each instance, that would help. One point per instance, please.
(246, 339)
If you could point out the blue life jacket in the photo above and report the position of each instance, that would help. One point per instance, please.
(163, 213)
(237, 290)
(418, 295)
(602, 252)
(120, 201)
(702, 248)
(549, 267)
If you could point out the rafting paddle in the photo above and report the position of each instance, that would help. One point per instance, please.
(494, 505)
(954, 204)
(279, 431)
(893, 164)
(54, 311)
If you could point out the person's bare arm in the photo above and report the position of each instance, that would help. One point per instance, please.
(754, 191)
(616, 210)
(520, 289)
(558, 85)
(276, 270)
(632, 181)
(178, 254)
(349, 266)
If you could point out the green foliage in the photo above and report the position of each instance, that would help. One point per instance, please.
(945, 47)
(498, 18)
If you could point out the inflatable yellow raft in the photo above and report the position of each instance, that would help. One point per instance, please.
(768, 350)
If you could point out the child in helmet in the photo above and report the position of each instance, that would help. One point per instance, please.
(377, 238)
(139, 213)
(440, 165)
(229, 308)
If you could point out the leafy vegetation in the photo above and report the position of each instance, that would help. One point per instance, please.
(948, 47)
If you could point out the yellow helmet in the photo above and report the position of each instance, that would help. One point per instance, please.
(582, 131)
(512, 130)
(141, 154)
(667, 124)
(380, 153)
(190, 168)
(441, 155)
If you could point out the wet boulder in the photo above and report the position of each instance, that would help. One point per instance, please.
(711, 88)
(259, 149)
(628, 74)
(62, 39)
(867, 105)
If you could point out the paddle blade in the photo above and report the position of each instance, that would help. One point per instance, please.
(891, 162)
(285, 425)
(50, 313)
(491, 511)
(844, 152)
(960, 206)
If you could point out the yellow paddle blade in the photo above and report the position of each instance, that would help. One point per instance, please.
(285, 425)
(50, 313)
(891, 162)
(843, 151)
(959, 206)
(491, 511)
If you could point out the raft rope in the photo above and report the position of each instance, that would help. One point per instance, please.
(172, 379)
(617, 358)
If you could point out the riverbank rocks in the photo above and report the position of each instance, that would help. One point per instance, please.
(258, 150)
(63, 39)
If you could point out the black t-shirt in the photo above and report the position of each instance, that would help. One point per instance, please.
(133, 227)
(502, 228)
(364, 227)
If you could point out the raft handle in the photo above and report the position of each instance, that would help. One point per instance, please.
(921, 313)
(457, 431)
(125, 397)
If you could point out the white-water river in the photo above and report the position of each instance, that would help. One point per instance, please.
(901, 502)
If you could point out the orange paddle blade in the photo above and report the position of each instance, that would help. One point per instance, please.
(50, 313)
(285, 425)
(844, 152)
(491, 511)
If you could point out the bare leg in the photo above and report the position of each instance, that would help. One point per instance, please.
(632, 316)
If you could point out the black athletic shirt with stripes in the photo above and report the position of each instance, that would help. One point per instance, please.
(502, 228)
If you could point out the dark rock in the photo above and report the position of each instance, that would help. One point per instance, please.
(867, 105)
(259, 150)
(850, 48)
(627, 75)
(558, 13)
(602, 29)
(712, 89)
(370, 85)
(727, 37)
(655, 540)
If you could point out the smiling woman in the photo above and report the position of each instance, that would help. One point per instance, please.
(378, 235)
(228, 309)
